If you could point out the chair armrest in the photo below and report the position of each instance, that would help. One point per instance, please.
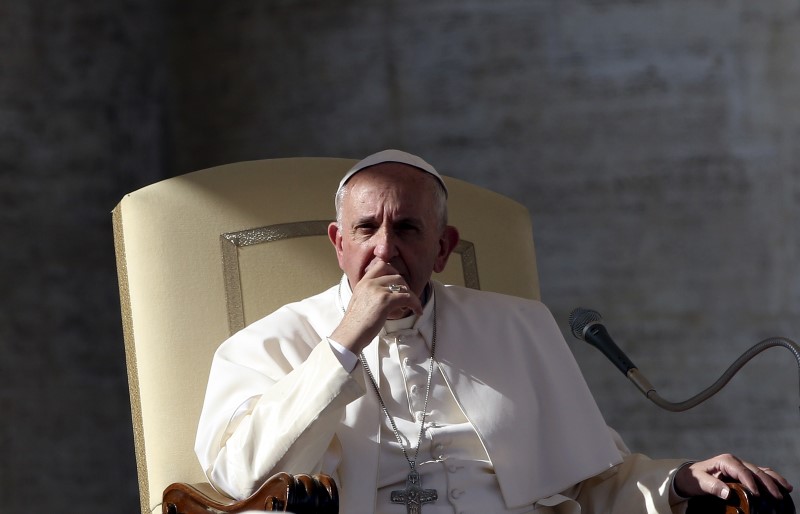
(300, 494)
(740, 501)
(317, 494)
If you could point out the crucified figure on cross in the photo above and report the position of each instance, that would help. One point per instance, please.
(414, 496)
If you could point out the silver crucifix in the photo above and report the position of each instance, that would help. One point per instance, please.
(414, 496)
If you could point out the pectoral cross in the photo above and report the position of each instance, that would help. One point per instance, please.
(414, 496)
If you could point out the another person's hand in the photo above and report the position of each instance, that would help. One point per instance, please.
(707, 477)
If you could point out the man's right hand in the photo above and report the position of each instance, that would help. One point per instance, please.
(372, 304)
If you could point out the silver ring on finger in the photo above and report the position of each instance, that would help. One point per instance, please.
(395, 288)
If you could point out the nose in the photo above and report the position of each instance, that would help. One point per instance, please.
(385, 246)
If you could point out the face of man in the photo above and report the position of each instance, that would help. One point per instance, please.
(389, 214)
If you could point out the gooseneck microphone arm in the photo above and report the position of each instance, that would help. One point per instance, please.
(586, 325)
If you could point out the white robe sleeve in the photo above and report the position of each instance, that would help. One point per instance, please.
(639, 485)
(273, 404)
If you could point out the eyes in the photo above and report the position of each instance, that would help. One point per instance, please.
(400, 228)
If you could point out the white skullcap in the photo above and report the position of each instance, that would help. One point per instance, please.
(392, 156)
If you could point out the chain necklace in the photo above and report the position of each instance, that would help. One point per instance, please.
(413, 496)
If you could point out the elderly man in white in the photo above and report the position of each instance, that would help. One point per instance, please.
(421, 397)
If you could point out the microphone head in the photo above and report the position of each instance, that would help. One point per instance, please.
(579, 318)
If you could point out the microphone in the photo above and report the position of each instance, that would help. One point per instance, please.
(586, 325)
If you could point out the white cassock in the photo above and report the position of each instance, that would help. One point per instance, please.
(278, 399)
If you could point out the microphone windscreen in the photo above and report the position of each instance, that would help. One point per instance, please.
(579, 318)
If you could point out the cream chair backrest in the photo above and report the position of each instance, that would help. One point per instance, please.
(202, 254)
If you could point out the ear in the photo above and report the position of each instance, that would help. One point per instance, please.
(335, 236)
(447, 243)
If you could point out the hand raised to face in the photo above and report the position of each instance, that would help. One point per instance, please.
(381, 294)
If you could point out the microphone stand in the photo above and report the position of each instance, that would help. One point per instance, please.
(644, 385)
(586, 324)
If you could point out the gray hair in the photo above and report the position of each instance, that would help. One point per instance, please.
(440, 199)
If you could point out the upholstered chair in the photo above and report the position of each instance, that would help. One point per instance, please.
(204, 254)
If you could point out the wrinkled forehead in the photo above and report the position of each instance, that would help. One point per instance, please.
(399, 188)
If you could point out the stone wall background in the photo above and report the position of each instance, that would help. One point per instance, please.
(655, 144)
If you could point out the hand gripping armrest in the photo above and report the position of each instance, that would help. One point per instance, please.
(740, 501)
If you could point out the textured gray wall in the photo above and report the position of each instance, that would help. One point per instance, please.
(80, 125)
(654, 142)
